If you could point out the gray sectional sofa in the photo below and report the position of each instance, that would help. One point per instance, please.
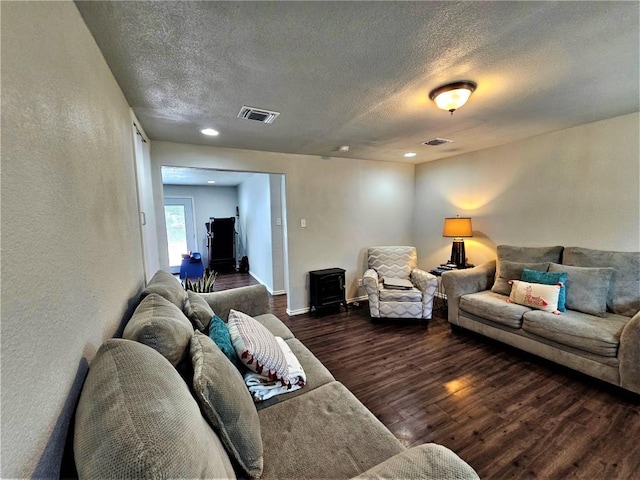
(141, 413)
(598, 334)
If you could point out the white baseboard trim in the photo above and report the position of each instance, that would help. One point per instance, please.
(277, 292)
(301, 311)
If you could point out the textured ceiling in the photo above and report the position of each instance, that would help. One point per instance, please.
(359, 73)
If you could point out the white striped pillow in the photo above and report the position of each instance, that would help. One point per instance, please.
(257, 348)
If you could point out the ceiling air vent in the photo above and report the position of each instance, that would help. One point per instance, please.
(437, 142)
(258, 114)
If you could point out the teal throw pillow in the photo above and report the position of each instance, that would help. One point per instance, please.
(548, 278)
(219, 333)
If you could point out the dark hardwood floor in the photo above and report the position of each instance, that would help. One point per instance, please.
(507, 413)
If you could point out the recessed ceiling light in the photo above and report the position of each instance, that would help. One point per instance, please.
(410, 154)
(209, 131)
(343, 148)
(211, 181)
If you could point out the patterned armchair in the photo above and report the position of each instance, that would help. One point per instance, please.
(398, 263)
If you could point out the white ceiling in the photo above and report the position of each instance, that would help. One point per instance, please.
(359, 73)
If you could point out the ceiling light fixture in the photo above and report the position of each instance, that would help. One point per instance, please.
(209, 131)
(343, 148)
(410, 154)
(453, 95)
(211, 181)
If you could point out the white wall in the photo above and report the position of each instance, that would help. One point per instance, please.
(207, 202)
(71, 247)
(277, 236)
(349, 205)
(575, 187)
(254, 198)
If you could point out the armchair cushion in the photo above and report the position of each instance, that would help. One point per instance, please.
(393, 261)
(394, 295)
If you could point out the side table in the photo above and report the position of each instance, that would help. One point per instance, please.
(440, 297)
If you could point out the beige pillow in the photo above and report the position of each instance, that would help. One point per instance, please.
(162, 326)
(198, 311)
(535, 295)
(257, 347)
(168, 287)
(512, 271)
(137, 419)
(227, 404)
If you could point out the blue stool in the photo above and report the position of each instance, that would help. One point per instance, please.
(192, 266)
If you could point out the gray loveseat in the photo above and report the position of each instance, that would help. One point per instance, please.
(598, 334)
(141, 414)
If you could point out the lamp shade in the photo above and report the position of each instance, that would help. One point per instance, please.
(453, 96)
(457, 227)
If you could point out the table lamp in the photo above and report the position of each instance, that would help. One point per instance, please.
(457, 228)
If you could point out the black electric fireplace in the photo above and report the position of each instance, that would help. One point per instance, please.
(327, 289)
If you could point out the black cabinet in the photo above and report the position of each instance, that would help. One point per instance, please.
(327, 288)
(221, 240)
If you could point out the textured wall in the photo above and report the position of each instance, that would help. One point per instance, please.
(71, 259)
(348, 205)
(574, 187)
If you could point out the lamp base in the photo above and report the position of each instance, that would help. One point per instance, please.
(457, 253)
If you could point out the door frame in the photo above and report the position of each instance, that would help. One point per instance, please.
(192, 241)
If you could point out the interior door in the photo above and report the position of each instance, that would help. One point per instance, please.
(181, 233)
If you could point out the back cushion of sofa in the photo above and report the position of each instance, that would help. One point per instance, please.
(512, 253)
(168, 287)
(161, 325)
(624, 289)
(137, 419)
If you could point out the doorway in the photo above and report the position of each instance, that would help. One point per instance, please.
(181, 236)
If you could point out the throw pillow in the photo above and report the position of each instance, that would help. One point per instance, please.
(508, 270)
(162, 326)
(256, 347)
(226, 403)
(168, 287)
(548, 278)
(219, 333)
(198, 311)
(587, 288)
(535, 295)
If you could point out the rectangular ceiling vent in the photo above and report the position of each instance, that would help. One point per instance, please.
(437, 142)
(258, 114)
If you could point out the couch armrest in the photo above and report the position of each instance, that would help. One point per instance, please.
(629, 355)
(461, 282)
(427, 461)
(371, 285)
(423, 280)
(253, 301)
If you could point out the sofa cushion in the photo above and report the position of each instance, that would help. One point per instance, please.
(316, 373)
(329, 430)
(535, 295)
(548, 278)
(198, 311)
(529, 254)
(494, 307)
(429, 461)
(257, 347)
(395, 295)
(508, 270)
(585, 332)
(162, 326)
(137, 419)
(227, 404)
(624, 293)
(587, 288)
(168, 287)
(274, 325)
